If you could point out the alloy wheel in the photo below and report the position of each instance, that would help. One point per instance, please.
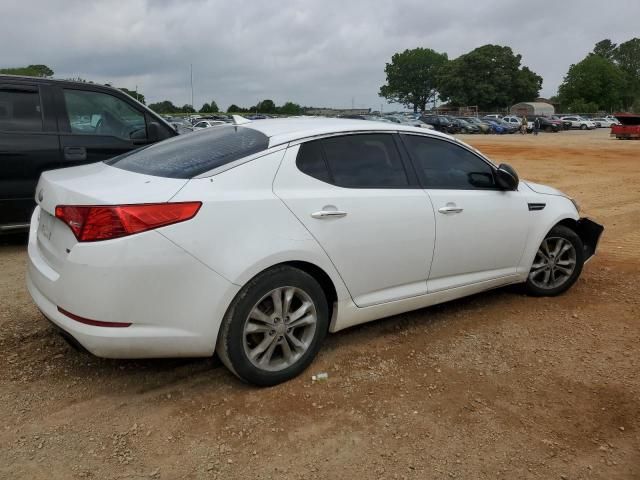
(279, 328)
(554, 264)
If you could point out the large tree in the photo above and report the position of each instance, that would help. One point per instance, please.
(411, 77)
(489, 77)
(595, 81)
(605, 48)
(290, 108)
(30, 71)
(266, 106)
(163, 107)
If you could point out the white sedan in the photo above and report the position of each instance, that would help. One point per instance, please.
(254, 240)
(604, 122)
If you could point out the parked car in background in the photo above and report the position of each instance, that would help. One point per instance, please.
(545, 124)
(202, 124)
(406, 120)
(566, 124)
(241, 240)
(604, 122)
(440, 123)
(464, 126)
(517, 122)
(494, 116)
(47, 124)
(579, 122)
(482, 126)
(510, 127)
(495, 126)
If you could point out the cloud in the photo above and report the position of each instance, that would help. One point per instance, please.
(326, 53)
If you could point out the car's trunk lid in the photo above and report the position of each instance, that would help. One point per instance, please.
(94, 184)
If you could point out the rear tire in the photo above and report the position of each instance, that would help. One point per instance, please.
(274, 327)
(557, 264)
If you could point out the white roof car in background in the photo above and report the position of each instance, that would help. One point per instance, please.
(256, 240)
(208, 124)
(578, 122)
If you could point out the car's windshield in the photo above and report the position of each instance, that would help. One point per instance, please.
(187, 156)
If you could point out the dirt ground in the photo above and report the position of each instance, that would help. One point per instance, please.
(497, 386)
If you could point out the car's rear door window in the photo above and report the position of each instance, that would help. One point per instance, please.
(186, 156)
(20, 109)
(356, 161)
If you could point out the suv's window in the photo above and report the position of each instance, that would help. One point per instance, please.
(103, 114)
(446, 165)
(20, 110)
(186, 156)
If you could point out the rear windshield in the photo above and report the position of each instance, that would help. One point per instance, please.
(191, 154)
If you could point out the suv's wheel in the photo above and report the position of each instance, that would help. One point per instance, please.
(274, 327)
(557, 264)
(583, 126)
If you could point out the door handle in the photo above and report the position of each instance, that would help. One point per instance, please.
(75, 153)
(329, 214)
(450, 209)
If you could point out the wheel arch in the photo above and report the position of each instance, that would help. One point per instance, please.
(332, 287)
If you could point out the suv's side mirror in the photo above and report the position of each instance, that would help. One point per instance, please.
(506, 177)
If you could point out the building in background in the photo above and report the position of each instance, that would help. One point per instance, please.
(532, 108)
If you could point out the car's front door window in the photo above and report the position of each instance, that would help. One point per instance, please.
(444, 165)
(99, 113)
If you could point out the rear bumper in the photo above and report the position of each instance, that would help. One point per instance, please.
(174, 303)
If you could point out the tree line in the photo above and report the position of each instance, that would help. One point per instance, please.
(491, 77)
(265, 106)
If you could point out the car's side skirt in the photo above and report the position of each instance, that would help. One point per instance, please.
(349, 314)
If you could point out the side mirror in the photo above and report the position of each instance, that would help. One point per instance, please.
(153, 132)
(506, 177)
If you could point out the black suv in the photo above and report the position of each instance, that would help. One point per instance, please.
(47, 124)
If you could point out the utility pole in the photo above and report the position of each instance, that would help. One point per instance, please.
(192, 87)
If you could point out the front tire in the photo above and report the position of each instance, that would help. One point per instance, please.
(557, 264)
(274, 327)
(583, 127)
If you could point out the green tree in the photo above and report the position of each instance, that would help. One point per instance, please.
(412, 77)
(489, 77)
(266, 106)
(214, 107)
(138, 96)
(627, 57)
(596, 81)
(206, 108)
(605, 49)
(235, 108)
(30, 71)
(290, 108)
(163, 107)
(186, 108)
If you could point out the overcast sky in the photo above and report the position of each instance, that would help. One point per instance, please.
(316, 53)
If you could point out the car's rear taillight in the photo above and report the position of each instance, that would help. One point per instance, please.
(91, 223)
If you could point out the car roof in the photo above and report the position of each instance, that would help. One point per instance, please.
(285, 130)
